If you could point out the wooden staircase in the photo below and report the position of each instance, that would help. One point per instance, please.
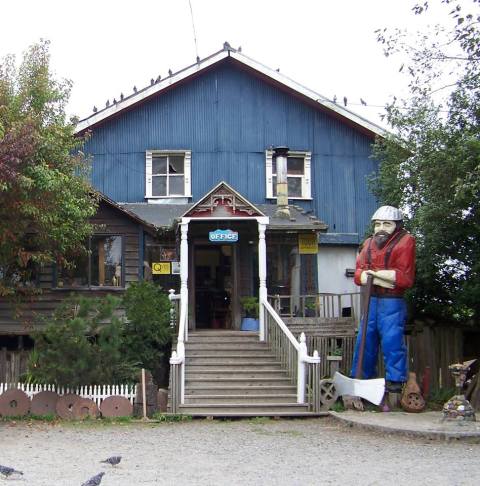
(232, 374)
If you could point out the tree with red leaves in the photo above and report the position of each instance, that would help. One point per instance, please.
(45, 198)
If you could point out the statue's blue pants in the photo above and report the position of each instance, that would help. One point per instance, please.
(386, 323)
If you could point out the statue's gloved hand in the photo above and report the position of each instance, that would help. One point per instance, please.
(382, 278)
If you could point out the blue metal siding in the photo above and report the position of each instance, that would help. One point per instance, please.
(228, 118)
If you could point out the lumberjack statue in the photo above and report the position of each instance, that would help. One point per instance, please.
(389, 257)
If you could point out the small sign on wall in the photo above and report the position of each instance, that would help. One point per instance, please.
(175, 268)
(223, 236)
(161, 268)
(308, 244)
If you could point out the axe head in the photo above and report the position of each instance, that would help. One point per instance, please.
(371, 390)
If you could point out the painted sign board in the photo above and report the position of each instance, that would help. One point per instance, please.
(175, 268)
(223, 236)
(161, 268)
(308, 244)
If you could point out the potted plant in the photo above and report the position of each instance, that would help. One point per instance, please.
(310, 308)
(250, 320)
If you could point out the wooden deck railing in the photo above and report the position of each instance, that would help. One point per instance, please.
(322, 305)
(304, 370)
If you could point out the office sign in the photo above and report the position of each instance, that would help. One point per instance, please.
(223, 236)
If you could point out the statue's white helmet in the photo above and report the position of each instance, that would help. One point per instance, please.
(387, 213)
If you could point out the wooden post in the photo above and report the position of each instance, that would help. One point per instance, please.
(184, 266)
(144, 395)
(3, 365)
(101, 263)
(262, 274)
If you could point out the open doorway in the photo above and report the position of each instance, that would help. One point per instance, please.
(213, 284)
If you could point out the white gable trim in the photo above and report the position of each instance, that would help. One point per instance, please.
(211, 60)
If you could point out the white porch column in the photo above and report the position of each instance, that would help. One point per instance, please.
(262, 273)
(184, 265)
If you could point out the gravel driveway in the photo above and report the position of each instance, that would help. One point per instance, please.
(246, 452)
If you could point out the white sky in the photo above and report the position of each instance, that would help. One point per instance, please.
(106, 47)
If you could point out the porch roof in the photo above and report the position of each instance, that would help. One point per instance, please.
(166, 215)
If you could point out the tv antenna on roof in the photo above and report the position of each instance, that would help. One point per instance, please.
(194, 33)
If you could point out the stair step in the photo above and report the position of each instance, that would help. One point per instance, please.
(239, 390)
(227, 360)
(239, 381)
(244, 374)
(227, 346)
(222, 334)
(246, 367)
(234, 352)
(243, 409)
(250, 399)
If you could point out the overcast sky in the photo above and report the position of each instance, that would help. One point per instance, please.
(106, 47)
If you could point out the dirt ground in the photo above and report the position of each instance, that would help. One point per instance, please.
(242, 452)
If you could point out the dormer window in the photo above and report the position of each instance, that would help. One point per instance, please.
(167, 174)
(298, 175)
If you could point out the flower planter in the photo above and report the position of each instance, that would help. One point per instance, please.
(250, 324)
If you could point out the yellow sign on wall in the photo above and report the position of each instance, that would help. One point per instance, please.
(161, 268)
(308, 244)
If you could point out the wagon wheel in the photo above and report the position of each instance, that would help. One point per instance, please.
(328, 394)
(65, 404)
(412, 402)
(44, 403)
(14, 403)
(84, 408)
(116, 406)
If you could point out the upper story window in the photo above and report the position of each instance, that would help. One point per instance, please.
(100, 266)
(167, 174)
(298, 175)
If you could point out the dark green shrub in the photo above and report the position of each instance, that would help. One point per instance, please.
(147, 333)
(82, 344)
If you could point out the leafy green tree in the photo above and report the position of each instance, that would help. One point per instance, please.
(82, 344)
(147, 332)
(45, 199)
(430, 165)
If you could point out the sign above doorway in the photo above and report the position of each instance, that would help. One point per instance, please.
(223, 236)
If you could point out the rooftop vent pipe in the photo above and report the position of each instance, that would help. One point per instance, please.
(280, 157)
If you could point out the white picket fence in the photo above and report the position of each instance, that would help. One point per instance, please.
(97, 393)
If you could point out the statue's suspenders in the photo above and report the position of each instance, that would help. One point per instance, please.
(391, 245)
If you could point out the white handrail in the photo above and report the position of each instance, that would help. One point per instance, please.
(301, 347)
(281, 324)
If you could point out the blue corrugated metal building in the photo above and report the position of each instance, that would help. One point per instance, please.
(161, 150)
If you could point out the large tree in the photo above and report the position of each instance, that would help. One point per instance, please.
(45, 199)
(430, 165)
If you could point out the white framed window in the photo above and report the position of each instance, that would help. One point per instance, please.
(298, 175)
(167, 174)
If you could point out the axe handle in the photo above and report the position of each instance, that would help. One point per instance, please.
(364, 320)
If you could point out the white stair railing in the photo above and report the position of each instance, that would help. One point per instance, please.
(177, 360)
(294, 357)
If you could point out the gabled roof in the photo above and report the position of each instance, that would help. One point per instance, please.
(245, 62)
(216, 197)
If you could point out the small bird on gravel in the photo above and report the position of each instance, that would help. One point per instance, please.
(113, 461)
(6, 471)
(95, 480)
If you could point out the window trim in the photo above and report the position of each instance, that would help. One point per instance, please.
(306, 177)
(187, 183)
(89, 286)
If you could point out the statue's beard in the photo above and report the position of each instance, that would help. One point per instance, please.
(381, 238)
